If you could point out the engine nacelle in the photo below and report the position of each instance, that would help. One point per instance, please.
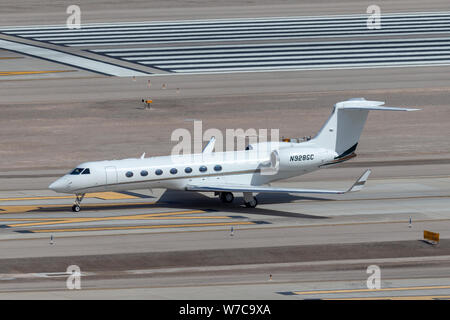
(296, 159)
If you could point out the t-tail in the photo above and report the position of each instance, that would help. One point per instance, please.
(343, 128)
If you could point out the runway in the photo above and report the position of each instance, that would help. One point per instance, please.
(70, 96)
(291, 56)
(173, 242)
(404, 39)
(238, 30)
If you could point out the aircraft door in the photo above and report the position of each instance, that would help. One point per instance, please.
(111, 175)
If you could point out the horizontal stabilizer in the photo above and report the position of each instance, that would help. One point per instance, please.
(378, 108)
(363, 104)
(358, 185)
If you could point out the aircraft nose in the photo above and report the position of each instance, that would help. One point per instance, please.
(60, 185)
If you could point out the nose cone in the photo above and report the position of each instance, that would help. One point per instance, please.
(60, 185)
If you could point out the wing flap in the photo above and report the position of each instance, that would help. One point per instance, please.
(358, 185)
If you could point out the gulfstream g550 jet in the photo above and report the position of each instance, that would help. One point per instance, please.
(224, 173)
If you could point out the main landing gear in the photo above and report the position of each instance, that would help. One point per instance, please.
(76, 206)
(226, 197)
(249, 200)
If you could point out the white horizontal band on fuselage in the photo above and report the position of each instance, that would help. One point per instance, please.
(154, 179)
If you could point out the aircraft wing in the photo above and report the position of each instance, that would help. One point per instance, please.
(358, 185)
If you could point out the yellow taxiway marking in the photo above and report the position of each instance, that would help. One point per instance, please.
(16, 73)
(111, 195)
(142, 218)
(65, 221)
(25, 209)
(188, 217)
(6, 58)
(154, 216)
(369, 290)
(34, 219)
(147, 227)
(100, 195)
(18, 209)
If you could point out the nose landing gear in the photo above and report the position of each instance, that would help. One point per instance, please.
(76, 206)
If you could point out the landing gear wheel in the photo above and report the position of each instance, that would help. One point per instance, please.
(76, 206)
(252, 204)
(226, 197)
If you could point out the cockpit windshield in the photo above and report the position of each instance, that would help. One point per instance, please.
(78, 171)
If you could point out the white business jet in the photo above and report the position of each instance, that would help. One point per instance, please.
(224, 173)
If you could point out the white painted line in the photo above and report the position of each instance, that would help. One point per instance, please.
(152, 29)
(296, 69)
(294, 59)
(229, 39)
(295, 62)
(249, 31)
(322, 44)
(307, 68)
(241, 35)
(425, 14)
(66, 58)
(287, 53)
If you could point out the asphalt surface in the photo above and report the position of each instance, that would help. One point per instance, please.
(170, 245)
(172, 241)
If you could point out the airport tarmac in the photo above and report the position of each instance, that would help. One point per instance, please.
(172, 242)
(170, 245)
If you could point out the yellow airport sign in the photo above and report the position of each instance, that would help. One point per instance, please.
(431, 236)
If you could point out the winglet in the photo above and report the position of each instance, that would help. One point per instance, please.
(359, 184)
(210, 146)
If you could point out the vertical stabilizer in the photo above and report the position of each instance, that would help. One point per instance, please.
(343, 128)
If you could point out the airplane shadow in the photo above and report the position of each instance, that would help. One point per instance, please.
(197, 201)
(194, 200)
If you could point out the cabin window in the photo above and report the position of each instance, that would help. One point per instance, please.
(173, 171)
(158, 172)
(77, 171)
(129, 174)
(144, 173)
(218, 167)
(86, 171)
(188, 170)
(203, 169)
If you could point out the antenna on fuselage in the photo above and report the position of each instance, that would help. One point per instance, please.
(210, 146)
